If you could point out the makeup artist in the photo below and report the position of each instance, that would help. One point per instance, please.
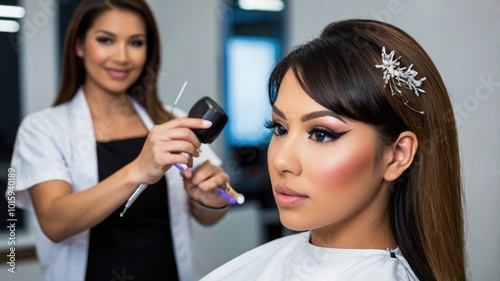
(81, 159)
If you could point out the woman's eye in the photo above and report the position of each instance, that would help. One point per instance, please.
(323, 135)
(105, 40)
(137, 43)
(277, 128)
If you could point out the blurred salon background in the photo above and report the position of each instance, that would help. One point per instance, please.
(225, 50)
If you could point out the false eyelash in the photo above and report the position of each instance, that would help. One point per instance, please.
(270, 124)
(275, 127)
(331, 134)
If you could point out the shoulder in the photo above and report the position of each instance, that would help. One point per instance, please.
(249, 265)
(374, 265)
(45, 120)
(293, 257)
(44, 131)
(45, 117)
(404, 271)
(269, 247)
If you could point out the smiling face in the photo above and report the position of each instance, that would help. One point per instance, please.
(113, 51)
(323, 169)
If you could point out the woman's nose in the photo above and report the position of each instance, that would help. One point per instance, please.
(283, 155)
(121, 53)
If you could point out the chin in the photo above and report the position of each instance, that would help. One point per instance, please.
(117, 89)
(295, 224)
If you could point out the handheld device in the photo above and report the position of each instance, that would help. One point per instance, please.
(207, 109)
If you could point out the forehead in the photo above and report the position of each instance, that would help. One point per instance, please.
(292, 98)
(293, 102)
(119, 21)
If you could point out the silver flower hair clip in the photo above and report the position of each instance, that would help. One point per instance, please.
(397, 76)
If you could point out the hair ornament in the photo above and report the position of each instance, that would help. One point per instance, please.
(396, 76)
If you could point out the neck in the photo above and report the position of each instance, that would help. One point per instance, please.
(375, 234)
(107, 105)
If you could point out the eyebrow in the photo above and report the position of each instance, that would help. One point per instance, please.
(311, 115)
(318, 114)
(112, 34)
(278, 112)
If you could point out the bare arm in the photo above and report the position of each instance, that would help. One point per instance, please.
(206, 206)
(62, 213)
(206, 215)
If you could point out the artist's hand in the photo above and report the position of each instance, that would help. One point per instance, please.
(167, 144)
(201, 185)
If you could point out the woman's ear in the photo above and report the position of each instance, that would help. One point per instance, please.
(402, 153)
(79, 49)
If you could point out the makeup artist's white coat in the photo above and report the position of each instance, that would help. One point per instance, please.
(64, 149)
(293, 258)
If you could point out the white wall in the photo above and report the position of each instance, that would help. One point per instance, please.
(462, 38)
(38, 55)
(190, 33)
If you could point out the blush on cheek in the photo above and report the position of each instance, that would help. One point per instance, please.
(97, 52)
(346, 170)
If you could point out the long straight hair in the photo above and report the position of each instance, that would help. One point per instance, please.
(338, 71)
(73, 70)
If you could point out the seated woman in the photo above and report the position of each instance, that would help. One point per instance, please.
(364, 162)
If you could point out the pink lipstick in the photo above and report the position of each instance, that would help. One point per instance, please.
(117, 73)
(287, 197)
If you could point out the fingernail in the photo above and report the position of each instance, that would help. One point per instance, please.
(181, 167)
(207, 123)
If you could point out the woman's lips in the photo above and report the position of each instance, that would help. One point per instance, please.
(287, 197)
(117, 73)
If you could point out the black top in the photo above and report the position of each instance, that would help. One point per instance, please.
(137, 246)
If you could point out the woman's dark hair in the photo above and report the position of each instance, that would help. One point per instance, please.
(338, 71)
(73, 70)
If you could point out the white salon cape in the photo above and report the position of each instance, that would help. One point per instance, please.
(293, 258)
(58, 143)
